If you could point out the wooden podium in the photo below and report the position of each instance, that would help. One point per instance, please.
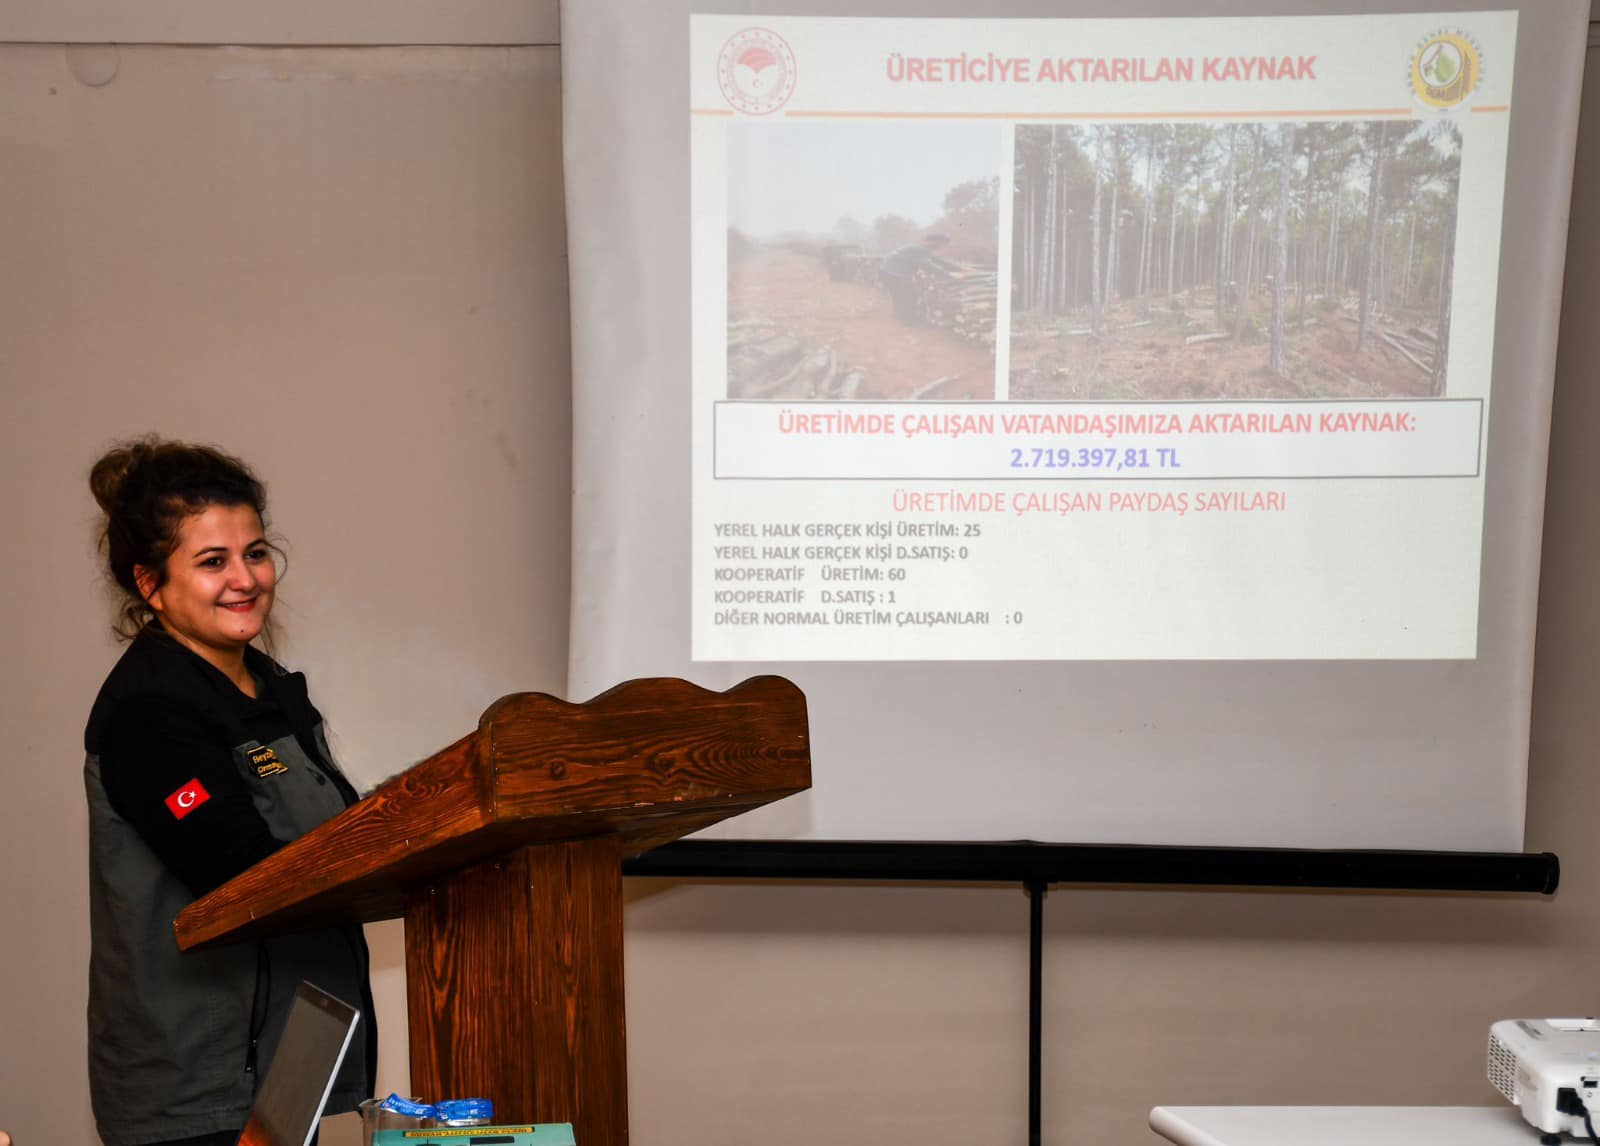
(503, 853)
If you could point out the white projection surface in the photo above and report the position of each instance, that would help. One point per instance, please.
(1124, 428)
(1092, 477)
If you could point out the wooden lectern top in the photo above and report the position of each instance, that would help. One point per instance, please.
(647, 761)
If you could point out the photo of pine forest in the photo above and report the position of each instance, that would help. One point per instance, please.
(1277, 260)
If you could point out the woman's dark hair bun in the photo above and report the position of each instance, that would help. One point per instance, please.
(110, 473)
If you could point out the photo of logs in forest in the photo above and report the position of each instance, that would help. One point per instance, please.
(1171, 261)
(862, 260)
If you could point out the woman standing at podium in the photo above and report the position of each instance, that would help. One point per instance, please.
(204, 755)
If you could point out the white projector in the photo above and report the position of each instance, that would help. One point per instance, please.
(1550, 1069)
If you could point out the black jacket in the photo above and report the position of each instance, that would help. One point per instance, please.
(189, 782)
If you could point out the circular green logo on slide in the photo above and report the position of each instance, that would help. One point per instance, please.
(1445, 69)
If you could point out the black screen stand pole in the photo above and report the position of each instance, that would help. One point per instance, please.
(1036, 889)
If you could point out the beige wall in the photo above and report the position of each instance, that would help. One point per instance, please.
(347, 264)
(282, 22)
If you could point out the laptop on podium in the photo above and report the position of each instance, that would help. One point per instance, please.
(300, 1076)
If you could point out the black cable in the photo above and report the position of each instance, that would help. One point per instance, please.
(258, 1015)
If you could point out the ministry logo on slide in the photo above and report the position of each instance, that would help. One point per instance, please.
(756, 71)
(1445, 69)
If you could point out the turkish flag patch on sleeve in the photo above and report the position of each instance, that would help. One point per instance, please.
(187, 798)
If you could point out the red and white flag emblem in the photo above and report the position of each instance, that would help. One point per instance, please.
(187, 798)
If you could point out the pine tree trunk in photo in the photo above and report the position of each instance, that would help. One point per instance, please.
(1043, 220)
(1039, 267)
(1049, 278)
(1077, 272)
(1330, 282)
(1225, 223)
(1094, 245)
(1217, 270)
(1441, 345)
(1411, 246)
(1374, 213)
(1250, 234)
(1047, 245)
(1025, 271)
(1252, 263)
(1172, 244)
(1441, 348)
(1109, 293)
(1385, 264)
(1041, 236)
(1293, 269)
(1445, 234)
(1183, 269)
(1075, 277)
(1308, 233)
(1050, 300)
(1063, 235)
(1194, 261)
(1036, 245)
(1281, 271)
(1146, 229)
(1024, 276)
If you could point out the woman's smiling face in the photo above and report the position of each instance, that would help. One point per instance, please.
(220, 581)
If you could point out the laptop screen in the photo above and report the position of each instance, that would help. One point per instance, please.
(301, 1074)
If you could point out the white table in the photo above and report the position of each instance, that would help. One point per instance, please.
(1343, 1126)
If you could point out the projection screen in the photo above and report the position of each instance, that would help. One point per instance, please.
(1129, 427)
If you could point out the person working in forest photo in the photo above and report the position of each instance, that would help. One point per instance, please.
(900, 269)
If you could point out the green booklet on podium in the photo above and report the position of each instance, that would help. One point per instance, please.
(525, 1134)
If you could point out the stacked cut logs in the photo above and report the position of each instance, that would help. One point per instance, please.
(961, 299)
(764, 362)
(844, 262)
(1418, 344)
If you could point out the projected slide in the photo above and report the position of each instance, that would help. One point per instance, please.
(1093, 339)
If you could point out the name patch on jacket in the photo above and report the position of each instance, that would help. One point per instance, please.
(266, 763)
(187, 798)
